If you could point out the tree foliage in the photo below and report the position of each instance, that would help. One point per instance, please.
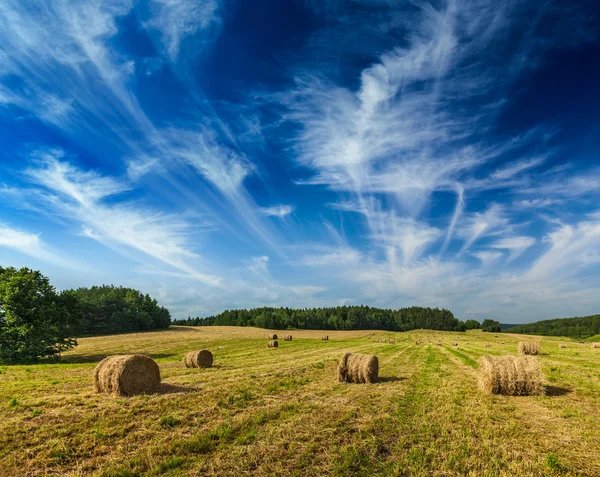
(337, 318)
(491, 326)
(472, 325)
(577, 327)
(109, 309)
(35, 320)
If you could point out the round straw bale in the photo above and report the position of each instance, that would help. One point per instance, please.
(127, 375)
(510, 375)
(273, 344)
(488, 345)
(325, 338)
(562, 345)
(198, 359)
(273, 336)
(529, 348)
(439, 343)
(358, 368)
(392, 340)
(595, 345)
(287, 338)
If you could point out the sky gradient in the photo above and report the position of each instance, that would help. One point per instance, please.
(225, 154)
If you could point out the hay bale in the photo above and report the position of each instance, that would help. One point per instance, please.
(454, 344)
(273, 344)
(595, 345)
(287, 338)
(529, 348)
(392, 340)
(439, 343)
(273, 336)
(501, 342)
(510, 375)
(418, 342)
(198, 359)
(127, 375)
(358, 368)
(562, 345)
(325, 338)
(488, 345)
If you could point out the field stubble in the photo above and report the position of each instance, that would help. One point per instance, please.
(261, 411)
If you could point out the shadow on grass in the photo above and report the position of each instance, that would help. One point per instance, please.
(556, 391)
(390, 379)
(95, 358)
(166, 388)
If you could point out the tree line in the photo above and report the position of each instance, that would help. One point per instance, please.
(37, 321)
(577, 327)
(336, 318)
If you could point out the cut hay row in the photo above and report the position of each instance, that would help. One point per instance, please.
(595, 345)
(287, 338)
(198, 359)
(127, 375)
(273, 344)
(510, 375)
(358, 368)
(529, 348)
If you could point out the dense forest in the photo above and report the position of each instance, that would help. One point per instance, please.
(337, 318)
(109, 309)
(578, 327)
(38, 321)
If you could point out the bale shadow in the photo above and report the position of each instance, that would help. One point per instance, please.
(166, 388)
(553, 391)
(390, 379)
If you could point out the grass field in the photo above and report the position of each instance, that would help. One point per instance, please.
(261, 411)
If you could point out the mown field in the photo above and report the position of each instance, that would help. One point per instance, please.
(261, 411)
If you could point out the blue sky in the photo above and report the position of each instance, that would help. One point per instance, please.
(224, 154)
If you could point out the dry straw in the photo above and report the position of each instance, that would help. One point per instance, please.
(595, 345)
(287, 338)
(273, 337)
(325, 338)
(127, 375)
(510, 375)
(562, 345)
(358, 368)
(439, 343)
(531, 348)
(488, 345)
(454, 344)
(198, 359)
(392, 340)
(273, 344)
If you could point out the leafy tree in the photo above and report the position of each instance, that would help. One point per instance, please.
(491, 326)
(35, 321)
(472, 325)
(109, 309)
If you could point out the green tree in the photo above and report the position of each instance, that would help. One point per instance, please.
(472, 325)
(35, 321)
(491, 326)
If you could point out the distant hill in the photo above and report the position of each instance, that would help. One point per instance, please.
(578, 327)
(506, 326)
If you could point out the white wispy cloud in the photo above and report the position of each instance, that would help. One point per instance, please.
(177, 19)
(30, 244)
(515, 245)
(277, 210)
(82, 196)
